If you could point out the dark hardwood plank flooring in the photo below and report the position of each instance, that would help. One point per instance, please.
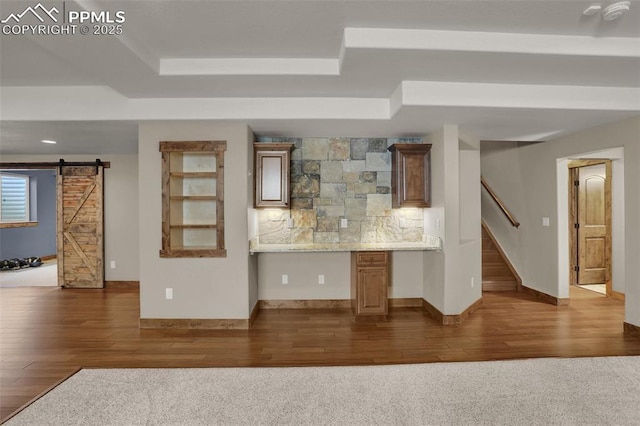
(46, 334)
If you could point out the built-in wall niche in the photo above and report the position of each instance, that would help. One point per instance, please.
(193, 199)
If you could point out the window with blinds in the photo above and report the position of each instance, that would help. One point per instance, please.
(14, 193)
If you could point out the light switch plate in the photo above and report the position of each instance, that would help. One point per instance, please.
(344, 223)
(545, 221)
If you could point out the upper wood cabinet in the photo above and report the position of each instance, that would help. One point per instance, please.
(410, 175)
(272, 174)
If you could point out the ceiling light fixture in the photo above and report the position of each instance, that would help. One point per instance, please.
(48, 141)
(592, 10)
(615, 10)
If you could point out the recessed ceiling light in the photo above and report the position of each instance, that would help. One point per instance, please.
(48, 141)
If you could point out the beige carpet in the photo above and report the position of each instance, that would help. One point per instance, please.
(42, 276)
(580, 391)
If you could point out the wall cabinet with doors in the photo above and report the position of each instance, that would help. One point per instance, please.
(272, 174)
(410, 175)
(370, 278)
(193, 199)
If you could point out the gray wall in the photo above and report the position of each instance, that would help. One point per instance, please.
(39, 240)
(455, 173)
(205, 288)
(528, 178)
(120, 210)
(303, 270)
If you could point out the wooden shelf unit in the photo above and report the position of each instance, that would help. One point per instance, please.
(193, 199)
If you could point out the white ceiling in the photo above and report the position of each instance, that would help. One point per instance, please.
(502, 70)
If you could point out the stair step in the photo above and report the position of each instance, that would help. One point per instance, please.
(492, 257)
(499, 272)
(486, 278)
(494, 263)
(496, 275)
(499, 285)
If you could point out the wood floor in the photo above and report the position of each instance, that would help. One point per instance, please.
(47, 334)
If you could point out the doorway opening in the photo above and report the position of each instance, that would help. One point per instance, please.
(28, 254)
(590, 226)
(77, 198)
(566, 224)
(590, 223)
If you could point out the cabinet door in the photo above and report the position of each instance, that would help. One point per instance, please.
(371, 293)
(272, 175)
(410, 181)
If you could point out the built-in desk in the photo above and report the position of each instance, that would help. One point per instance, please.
(370, 276)
(430, 243)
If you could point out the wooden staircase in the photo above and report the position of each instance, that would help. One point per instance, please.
(496, 274)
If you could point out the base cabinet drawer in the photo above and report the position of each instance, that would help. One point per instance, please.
(372, 258)
(370, 279)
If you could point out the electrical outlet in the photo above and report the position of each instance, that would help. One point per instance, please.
(290, 223)
(113, 264)
(285, 279)
(545, 221)
(320, 279)
(344, 223)
(168, 293)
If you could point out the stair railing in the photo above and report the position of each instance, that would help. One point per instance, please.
(500, 204)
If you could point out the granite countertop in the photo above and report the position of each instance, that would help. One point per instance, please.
(431, 243)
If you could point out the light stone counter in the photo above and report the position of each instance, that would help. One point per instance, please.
(431, 243)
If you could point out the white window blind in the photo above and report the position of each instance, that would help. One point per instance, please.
(14, 193)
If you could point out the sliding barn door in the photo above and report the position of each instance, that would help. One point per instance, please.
(80, 227)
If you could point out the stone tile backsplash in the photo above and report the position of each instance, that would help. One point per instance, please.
(340, 178)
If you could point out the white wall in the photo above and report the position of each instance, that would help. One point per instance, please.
(434, 222)
(204, 288)
(303, 270)
(406, 274)
(500, 166)
(455, 199)
(537, 251)
(463, 244)
(120, 210)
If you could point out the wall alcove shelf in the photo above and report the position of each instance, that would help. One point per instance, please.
(193, 199)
